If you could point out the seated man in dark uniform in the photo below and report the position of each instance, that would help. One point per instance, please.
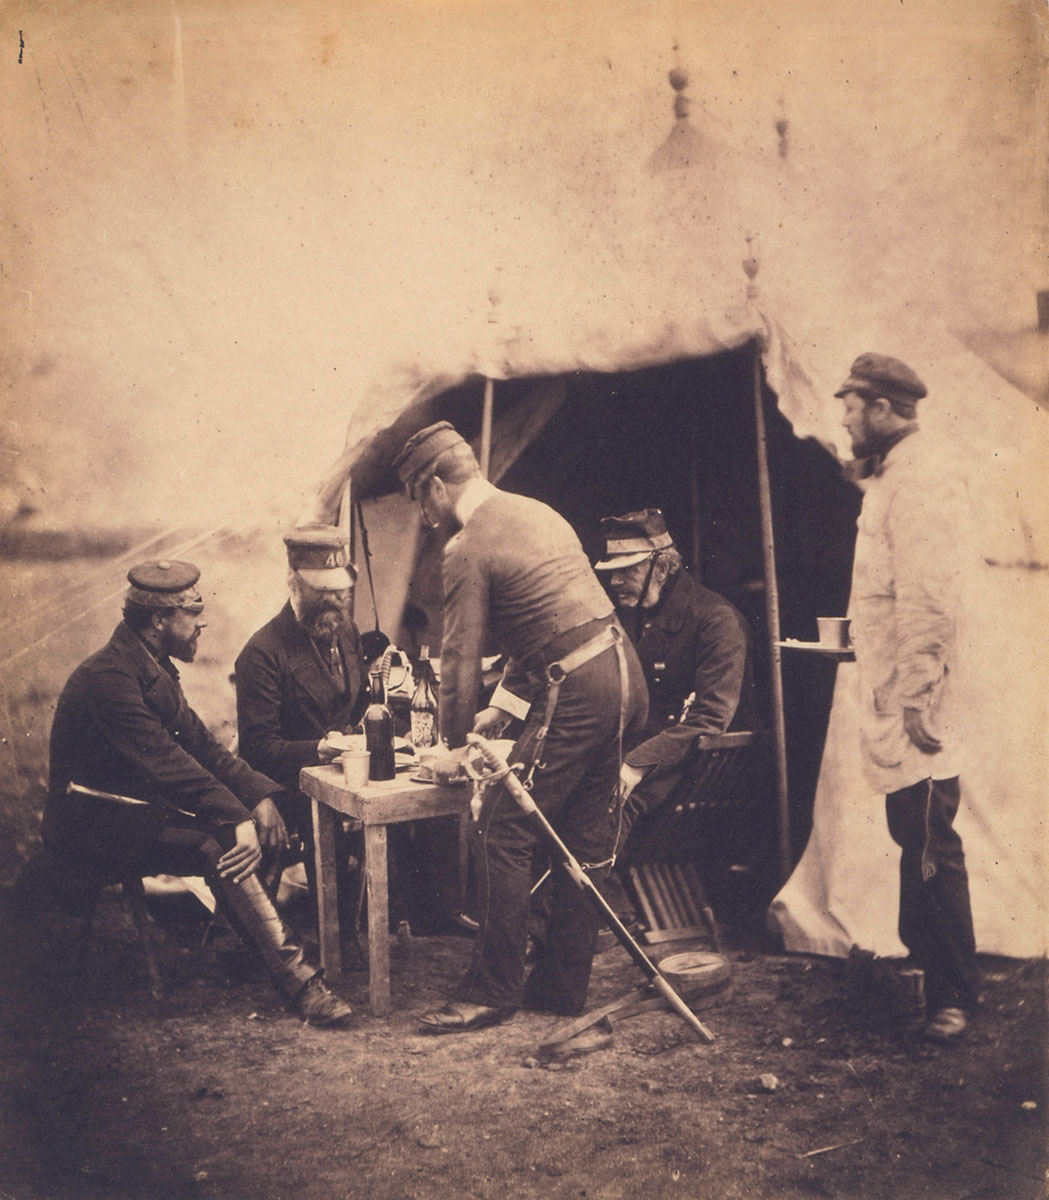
(302, 676)
(695, 651)
(179, 803)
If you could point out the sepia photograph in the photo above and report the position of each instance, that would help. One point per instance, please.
(524, 560)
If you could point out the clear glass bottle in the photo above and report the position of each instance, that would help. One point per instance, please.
(424, 703)
(378, 730)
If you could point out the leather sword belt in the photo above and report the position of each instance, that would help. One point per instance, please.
(569, 643)
(562, 667)
(588, 645)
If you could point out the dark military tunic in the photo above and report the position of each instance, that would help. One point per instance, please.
(123, 725)
(694, 643)
(288, 698)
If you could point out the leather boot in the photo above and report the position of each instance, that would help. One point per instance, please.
(251, 913)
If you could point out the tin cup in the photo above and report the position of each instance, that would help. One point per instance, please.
(355, 766)
(834, 631)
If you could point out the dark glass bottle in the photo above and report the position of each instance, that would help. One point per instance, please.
(424, 704)
(378, 731)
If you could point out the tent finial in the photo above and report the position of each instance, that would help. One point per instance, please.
(679, 80)
(751, 266)
(683, 146)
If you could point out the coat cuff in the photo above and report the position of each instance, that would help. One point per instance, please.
(508, 702)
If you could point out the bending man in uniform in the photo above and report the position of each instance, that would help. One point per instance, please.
(122, 726)
(515, 570)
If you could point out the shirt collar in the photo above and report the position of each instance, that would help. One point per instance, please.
(859, 470)
(473, 495)
(891, 442)
(161, 661)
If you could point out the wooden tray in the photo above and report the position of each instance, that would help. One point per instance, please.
(839, 653)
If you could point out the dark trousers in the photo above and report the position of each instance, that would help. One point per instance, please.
(649, 796)
(296, 808)
(935, 915)
(73, 887)
(575, 787)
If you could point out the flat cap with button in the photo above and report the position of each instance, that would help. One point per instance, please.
(320, 554)
(165, 583)
(873, 375)
(632, 538)
(422, 448)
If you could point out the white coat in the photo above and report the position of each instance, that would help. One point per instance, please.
(904, 608)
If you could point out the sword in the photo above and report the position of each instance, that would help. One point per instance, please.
(78, 789)
(502, 771)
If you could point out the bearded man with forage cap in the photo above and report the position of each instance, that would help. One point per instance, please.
(514, 570)
(695, 651)
(123, 726)
(904, 605)
(302, 676)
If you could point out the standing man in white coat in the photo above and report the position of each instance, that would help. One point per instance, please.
(906, 581)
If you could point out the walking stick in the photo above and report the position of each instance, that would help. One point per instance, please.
(500, 770)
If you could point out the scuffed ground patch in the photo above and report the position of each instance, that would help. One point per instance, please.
(814, 1087)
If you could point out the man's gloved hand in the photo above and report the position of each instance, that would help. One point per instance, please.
(919, 733)
(244, 856)
(269, 824)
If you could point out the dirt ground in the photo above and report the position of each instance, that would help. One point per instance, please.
(814, 1086)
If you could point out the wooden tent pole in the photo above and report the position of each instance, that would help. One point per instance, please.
(345, 523)
(772, 614)
(485, 460)
(486, 427)
(693, 478)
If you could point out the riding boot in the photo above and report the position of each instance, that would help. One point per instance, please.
(250, 911)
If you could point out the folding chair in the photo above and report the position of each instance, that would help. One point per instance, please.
(726, 785)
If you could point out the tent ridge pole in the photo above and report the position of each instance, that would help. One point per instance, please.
(768, 546)
(486, 427)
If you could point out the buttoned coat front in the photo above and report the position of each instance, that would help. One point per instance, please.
(287, 699)
(695, 644)
(123, 725)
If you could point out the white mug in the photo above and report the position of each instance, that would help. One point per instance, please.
(355, 766)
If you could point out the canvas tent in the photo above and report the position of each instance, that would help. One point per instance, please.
(843, 891)
(237, 226)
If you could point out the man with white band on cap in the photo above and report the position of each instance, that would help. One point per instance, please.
(300, 677)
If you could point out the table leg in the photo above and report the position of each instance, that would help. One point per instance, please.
(328, 932)
(375, 870)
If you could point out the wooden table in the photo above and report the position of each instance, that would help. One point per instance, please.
(376, 805)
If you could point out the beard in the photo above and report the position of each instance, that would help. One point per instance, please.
(867, 442)
(324, 617)
(625, 598)
(184, 649)
(864, 445)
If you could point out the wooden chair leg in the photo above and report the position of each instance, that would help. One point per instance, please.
(135, 895)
